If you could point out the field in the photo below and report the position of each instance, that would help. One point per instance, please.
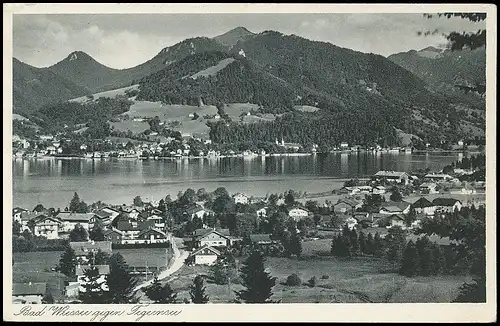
(111, 94)
(357, 280)
(36, 266)
(213, 70)
(134, 126)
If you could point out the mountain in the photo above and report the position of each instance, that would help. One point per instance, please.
(447, 69)
(232, 37)
(430, 52)
(35, 87)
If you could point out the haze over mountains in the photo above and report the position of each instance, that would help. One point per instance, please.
(412, 91)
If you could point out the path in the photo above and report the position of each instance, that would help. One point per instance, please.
(176, 263)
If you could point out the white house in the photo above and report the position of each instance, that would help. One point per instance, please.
(152, 235)
(28, 293)
(379, 190)
(391, 208)
(103, 270)
(439, 177)
(197, 211)
(428, 188)
(262, 212)
(16, 213)
(298, 213)
(158, 221)
(424, 206)
(70, 220)
(205, 255)
(447, 204)
(392, 176)
(46, 226)
(211, 238)
(351, 222)
(240, 198)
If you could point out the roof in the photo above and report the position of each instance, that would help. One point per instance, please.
(396, 217)
(29, 288)
(18, 209)
(428, 184)
(103, 269)
(126, 226)
(298, 207)
(74, 217)
(152, 230)
(445, 241)
(202, 232)
(394, 174)
(82, 248)
(239, 194)
(260, 238)
(107, 232)
(421, 203)
(445, 201)
(103, 214)
(215, 251)
(401, 205)
(437, 175)
(41, 218)
(28, 216)
(347, 201)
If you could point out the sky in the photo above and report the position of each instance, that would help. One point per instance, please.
(126, 40)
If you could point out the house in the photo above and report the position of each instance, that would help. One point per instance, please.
(260, 209)
(46, 226)
(262, 239)
(197, 211)
(114, 212)
(423, 206)
(129, 231)
(362, 216)
(447, 204)
(428, 188)
(113, 235)
(28, 293)
(211, 237)
(152, 235)
(240, 198)
(346, 206)
(101, 217)
(81, 279)
(344, 146)
(83, 249)
(292, 146)
(392, 176)
(70, 220)
(205, 255)
(392, 207)
(16, 213)
(157, 220)
(396, 220)
(298, 213)
(26, 217)
(379, 190)
(438, 177)
(351, 222)
(132, 212)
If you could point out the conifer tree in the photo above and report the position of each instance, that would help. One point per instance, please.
(354, 242)
(438, 260)
(94, 292)
(67, 263)
(295, 244)
(369, 245)
(160, 294)
(409, 262)
(120, 282)
(424, 253)
(378, 245)
(197, 291)
(74, 204)
(257, 282)
(362, 243)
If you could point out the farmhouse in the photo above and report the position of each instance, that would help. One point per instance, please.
(392, 176)
(26, 217)
(70, 220)
(82, 249)
(130, 232)
(16, 213)
(114, 212)
(292, 146)
(392, 207)
(298, 213)
(447, 204)
(396, 220)
(240, 198)
(103, 270)
(346, 206)
(101, 217)
(211, 237)
(262, 239)
(152, 236)
(157, 220)
(46, 226)
(197, 211)
(428, 188)
(113, 235)
(379, 190)
(28, 293)
(205, 255)
(423, 206)
(438, 177)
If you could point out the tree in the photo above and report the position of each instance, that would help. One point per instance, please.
(39, 208)
(369, 244)
(438, 265)
(223, 269)
(354, 242)
(120, 282)
(197, 291)
(101, 258)
(295, 245)
(410, 261)
(459, 41)
(67, 262)
(48, 298)
(362, 243)
(78, 234)
(16, 227)
(96, 233)
(396, 242)
(378, 245)
(160, 294)
(289, 199)
(257, 282)
(396, 196)
(74, 204)
(138, 201)
(424, 253)
(94, 292)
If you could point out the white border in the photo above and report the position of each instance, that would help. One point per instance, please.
(271, 312)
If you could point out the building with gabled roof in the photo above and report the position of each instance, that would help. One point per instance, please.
(28, 293)
(423, 206)
(205, 255)
(394, 207)
(447, 204)
(392, 176)
(46, 226)
(84, 248)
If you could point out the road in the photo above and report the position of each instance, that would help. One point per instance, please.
(175, 264)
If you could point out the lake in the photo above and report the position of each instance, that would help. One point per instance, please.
(52, 181)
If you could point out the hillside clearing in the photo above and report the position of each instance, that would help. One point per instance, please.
(213, 70)
(306, 108)
(109, 94)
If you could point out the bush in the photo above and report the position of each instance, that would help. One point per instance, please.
(293, 280)
(312, 281)
(325, 277)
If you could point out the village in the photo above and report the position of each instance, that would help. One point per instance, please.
(192, 227)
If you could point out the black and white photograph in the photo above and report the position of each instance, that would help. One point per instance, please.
(249, 158)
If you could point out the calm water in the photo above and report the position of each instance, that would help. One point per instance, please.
(52, 181)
